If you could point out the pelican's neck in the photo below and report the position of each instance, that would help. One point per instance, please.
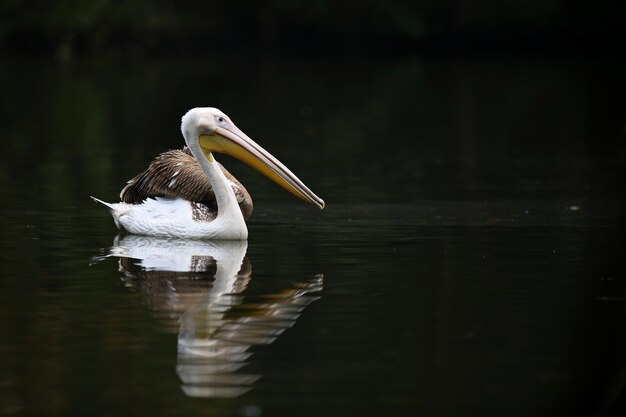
(224, 194)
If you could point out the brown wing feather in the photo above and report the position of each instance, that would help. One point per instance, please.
(175, 173)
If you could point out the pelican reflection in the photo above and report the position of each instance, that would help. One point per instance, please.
(198, 289)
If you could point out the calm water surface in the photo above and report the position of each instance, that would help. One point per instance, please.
(469, 260)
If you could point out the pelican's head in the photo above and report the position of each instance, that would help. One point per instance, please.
(213, 131)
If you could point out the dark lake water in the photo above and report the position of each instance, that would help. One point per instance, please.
(469, 261)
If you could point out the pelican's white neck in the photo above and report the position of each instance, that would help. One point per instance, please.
(227, 205)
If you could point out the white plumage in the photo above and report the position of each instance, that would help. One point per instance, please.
(173, 217)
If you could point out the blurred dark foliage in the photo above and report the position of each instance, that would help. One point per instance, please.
(69, 27)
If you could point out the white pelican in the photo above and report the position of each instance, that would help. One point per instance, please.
(187, 194)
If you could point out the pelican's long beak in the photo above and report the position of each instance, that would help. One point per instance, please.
(232, 141)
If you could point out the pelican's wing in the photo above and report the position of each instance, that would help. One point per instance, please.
(176, 173)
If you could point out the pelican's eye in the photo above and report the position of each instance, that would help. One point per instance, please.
(220, 119)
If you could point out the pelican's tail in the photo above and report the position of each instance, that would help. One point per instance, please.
(104, 203)
(117, 210)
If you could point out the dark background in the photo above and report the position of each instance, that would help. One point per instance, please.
(368, 28)
(480, 88)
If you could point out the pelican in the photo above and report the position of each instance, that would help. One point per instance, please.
(187, 194)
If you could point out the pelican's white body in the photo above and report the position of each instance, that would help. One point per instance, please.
(173, 217)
